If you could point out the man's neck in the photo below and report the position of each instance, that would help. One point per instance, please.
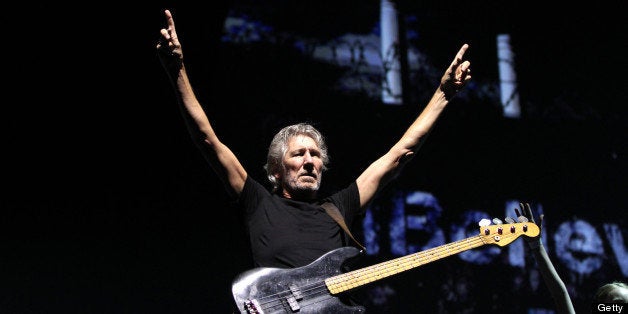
(299, 195)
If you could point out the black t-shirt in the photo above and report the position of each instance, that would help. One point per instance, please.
(286, 233)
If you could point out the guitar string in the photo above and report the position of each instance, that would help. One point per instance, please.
(312, 298)
(309, 291)
(414, 260)
(320, 287)
(406, 262)
(278, 299)
(315, 289)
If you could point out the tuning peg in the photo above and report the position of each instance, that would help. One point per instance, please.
(497, 221)
(484, 222)
(522, 219)
(509, 220)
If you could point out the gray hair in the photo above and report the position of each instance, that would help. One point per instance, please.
(279, 146)
(606, 293)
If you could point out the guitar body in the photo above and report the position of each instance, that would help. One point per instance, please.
(294, 290)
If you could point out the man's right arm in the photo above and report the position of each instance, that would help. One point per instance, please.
(222, 160)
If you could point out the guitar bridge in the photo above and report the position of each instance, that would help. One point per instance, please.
(296, 292)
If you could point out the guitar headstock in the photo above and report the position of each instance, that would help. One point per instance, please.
(504, 234)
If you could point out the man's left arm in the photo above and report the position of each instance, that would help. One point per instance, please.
(388, 166)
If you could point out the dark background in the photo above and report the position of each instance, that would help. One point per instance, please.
(109, 208)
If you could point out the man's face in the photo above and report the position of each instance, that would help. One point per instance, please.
(302, 168)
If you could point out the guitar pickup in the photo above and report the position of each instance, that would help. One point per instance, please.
(296, 292)
(292, 300)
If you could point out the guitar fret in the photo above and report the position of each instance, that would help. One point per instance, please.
(488, 235)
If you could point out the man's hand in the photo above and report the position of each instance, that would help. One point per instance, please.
(169, 47)
(457, 75)
(526, 212)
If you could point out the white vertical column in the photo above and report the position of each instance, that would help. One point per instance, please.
(507, 77)
(391, 84)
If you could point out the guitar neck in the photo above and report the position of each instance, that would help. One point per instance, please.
(362, 276)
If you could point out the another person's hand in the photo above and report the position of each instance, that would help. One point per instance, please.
(457, 75)
(526, 212)
(169, 47)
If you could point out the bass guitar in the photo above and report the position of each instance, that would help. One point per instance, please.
(316, 287)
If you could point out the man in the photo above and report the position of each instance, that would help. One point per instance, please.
(612, 292)
(287, 227)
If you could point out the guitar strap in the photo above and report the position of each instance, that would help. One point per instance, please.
(334, 212)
